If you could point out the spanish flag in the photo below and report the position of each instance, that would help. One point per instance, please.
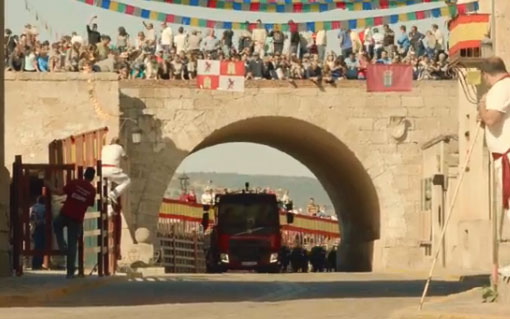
(468, 31)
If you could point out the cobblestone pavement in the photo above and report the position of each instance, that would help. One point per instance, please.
(237, 295)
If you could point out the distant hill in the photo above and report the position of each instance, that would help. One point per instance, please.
(300, 188)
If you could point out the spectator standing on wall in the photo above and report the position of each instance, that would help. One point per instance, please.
(389, 39)
(345, 42)
(378, 43)
(194, 42)
(294, 38)
(93, 35)
(167, 37)
(430, 44)
(180, 41)
(278, 40)
(258, 37)
(321, 41)
(211, 44)
(357, 46)
(439, 38)
(122, 40)
(150, 33)
(403, 41)
(416, 39)
(226, 42)
(369, 41)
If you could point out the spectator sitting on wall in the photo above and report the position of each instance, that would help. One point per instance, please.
(385, 59)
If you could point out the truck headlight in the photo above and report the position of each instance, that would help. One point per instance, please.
(224, 258)
(273, 258)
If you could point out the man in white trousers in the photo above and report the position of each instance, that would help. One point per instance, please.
(111, 156)
(494, 111)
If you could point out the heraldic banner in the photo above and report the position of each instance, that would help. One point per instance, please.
(388, 78)
(220, 75)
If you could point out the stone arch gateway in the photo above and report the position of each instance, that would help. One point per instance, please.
(345, 180)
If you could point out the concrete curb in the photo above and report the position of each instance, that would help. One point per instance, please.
(40, 298)
(445, 315)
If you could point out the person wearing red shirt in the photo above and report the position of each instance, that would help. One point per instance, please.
(80, 195)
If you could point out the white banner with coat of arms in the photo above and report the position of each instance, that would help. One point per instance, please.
(220, 75)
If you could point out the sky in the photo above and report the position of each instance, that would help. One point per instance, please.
(66, 16)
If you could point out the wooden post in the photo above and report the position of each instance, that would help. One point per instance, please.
(174, 250)
(48, 235)
(195, 250)
(15, 218)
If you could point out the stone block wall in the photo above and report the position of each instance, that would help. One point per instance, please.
(343, 134)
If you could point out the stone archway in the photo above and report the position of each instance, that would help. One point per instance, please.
(339, 171)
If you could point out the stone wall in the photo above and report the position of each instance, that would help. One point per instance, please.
(343, 134)
(44, 107)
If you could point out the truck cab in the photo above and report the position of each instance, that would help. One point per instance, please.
(246, 234)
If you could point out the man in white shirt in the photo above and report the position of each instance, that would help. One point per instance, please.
(259, 36)
(150, 33)
(76, 38)
(111, 156)
(180, 41)
(439, 37)
(378, 43)
(321, 40)
(167, 37)
(369, 42)
(494, 111)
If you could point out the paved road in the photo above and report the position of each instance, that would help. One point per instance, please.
(243, 296)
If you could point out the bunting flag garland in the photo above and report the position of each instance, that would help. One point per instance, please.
(446, 11)
(42, 23)
(297, 6)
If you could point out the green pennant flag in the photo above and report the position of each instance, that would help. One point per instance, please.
(369, 22)
(411, 16)
(327, 25)
(121, 7)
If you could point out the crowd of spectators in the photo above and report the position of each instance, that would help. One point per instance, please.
(267, 54)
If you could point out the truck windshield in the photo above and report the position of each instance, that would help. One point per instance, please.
(240, 218)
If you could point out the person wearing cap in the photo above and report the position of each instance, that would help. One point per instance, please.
(93, 35)
(167, 37)
(111, 156)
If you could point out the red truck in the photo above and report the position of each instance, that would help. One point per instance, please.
(246, 234)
